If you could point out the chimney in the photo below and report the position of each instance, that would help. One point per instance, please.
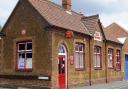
(66, 4)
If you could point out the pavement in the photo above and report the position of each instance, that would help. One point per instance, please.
(112, 85)
(11, 88)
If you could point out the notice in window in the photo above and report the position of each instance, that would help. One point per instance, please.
(21, 63)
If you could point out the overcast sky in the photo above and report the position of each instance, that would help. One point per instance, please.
(109, 10)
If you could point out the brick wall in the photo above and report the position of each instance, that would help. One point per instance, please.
(26, 18)
(75, 77)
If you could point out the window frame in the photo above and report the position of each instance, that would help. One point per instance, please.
(98, 67)
(79, 67)
(112, 55)
(25, 52)
(118, 61)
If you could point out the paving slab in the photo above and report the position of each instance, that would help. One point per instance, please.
(111, 85)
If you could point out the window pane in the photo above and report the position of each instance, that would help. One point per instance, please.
(95, 60)
(29, 46)
(81, 60)
(118, 55)
(110, 60)
(110, 57)
(110, 63)
(21, 46)
(63, 66)
(29, 60)
(108, 51)
(59, 66)
(98, 50)
(76, 59)
(21, 60)
(61, 49)
(29, 55)
(98, 61)
(80, 47)
(77, 47)
(111, 51)
(95, 50)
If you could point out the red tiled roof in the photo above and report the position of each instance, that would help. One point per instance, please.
(117, 30)
(114, 31)
(109, 36)
(91, 22)
(57, 16)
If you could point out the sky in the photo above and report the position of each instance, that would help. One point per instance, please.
(109, 10)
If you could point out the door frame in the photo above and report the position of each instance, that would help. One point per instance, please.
(66, 62)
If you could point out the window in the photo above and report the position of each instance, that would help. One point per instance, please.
(61, 49)
(97, 57)
(79, 55)
(118, 60)
(24, 55)
(110, 58)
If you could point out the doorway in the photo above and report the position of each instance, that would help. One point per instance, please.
(126, 66)
(62, 67)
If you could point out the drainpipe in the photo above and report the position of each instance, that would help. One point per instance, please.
(106, 62)
(122, 62)
(90, 61)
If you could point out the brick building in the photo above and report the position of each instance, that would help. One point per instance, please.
(51, 46)
(121, 35)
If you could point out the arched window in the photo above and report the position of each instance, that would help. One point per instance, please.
(61, 49)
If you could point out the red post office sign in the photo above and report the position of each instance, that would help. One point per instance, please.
(69, 34)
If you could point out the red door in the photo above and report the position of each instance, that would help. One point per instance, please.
(61, 69)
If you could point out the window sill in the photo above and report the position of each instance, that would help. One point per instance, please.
(117, 70)
(24, 70)
(110, 67)
(97, 68)
(80, 69)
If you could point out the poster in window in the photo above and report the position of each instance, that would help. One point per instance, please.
(21, 63)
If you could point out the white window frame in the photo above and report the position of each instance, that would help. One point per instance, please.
(79, 52)
(24, 60)
(110, 58)
(95, 55)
